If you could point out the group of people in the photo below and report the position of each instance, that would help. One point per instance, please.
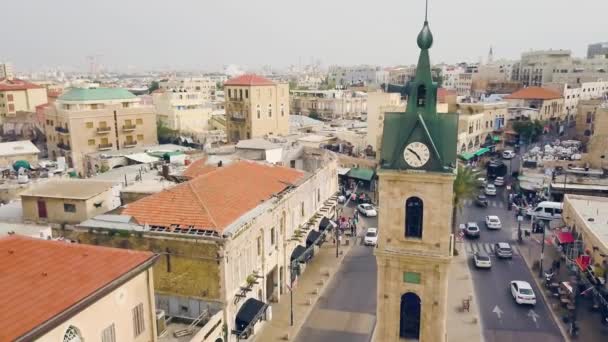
(347, 224)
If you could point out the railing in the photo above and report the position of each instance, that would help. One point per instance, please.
(128, 127)
(104, 129)
(62, 130)
(237, 118)
(129, 143)
(105, 146)
(64, 146)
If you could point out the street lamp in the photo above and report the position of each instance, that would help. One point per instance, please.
(542, 251)
(519, 219)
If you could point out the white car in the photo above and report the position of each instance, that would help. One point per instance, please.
(482, 260)
(499, 181)
(341, 199)
(508, 154)
(493, 222)
(482, 182)
(367, 210)
(490, 190)
(522, 292)
(371, 237)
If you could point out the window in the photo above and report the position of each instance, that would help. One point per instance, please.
(413, 217)
(72, 335)
(9, 97)
(229, 93)
(91, 142)
(259, 242)
(302, 209)
(139, 121)
(89, 125)
(140, 137)
(259, 112)
(69, 208)
(128, 122)
(246, 93)
(108, 334)
(94, 106)
(269, 111)
(272, 236)
(11, 107)
(241, 94)
(102, 124)
(138, 319)
(125, 105)
(318, 195)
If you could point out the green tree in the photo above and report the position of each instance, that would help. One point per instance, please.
(314, 115)
(466, 186)
(528, 130)
(164, 133)
(153, 86)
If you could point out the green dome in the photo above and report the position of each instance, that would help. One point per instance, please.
(425, 37)
(21, 164)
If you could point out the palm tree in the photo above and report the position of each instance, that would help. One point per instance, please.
(466, 186)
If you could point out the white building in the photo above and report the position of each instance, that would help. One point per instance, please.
(362, 74)
(205, 86)
(379, 103)
(6, 71)
(573, 93)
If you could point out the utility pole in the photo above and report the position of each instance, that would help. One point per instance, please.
(519, 219)
(542, 251)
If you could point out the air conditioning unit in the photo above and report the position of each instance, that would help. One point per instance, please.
(161, 323)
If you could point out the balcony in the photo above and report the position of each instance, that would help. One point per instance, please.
(129, 128)
(62, 130)
(103, 130)
(129, 144)
(63, 146)
(103, 147)
(237, 118)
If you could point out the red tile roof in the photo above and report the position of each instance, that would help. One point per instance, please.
(442, 93)
(40, 279)
(534, 93)
(17, 84)
(214, 200)
(248, 80)
(197, 168)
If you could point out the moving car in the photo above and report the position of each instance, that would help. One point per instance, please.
(490, 190)
(499, 181)
(472, 230)
(522, 292)
(482, 260)
(371, 237)
(481, 201)
(508, 154)
(367, 209)
(546, 210)
(493, 222)
(503, 250)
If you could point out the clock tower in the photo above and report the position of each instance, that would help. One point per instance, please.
(416, 175)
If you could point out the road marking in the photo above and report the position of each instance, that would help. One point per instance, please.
(487, 248)
(534, 317)
(501, 205)
(498, 312)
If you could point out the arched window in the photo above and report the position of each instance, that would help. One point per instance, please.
(421, 95)
(72, 335)
(409, 322)
(414, 209)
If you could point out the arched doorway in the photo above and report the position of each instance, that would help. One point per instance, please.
(409, 322)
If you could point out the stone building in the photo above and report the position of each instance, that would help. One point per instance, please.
(19, 96)
(477, 123)
(592, 128)
(416, 174)
(548, 103)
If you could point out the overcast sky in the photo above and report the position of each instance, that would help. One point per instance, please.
(206, 34)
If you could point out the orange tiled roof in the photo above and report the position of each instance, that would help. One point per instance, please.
(442, 93)
(40, 279)
(198, 168)
(248, 80)
(16, 84)
(534, 93)
(214, 200)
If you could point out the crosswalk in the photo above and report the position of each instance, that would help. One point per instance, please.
(491, 203)
(487, 247)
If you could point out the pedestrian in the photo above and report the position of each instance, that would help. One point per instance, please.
(558, 264)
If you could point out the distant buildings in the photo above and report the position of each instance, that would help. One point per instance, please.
(366, 75)
(255, 107)
(477, 123)
(329, 104)
(6, 71)
(205, 87)
(593, 50)
(19, 96)
(59, 291)
(574, 93)
(82, 121)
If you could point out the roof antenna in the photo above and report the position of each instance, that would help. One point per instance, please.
(426, 11)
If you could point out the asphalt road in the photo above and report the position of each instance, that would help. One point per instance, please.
(346, 312)
(501, 318)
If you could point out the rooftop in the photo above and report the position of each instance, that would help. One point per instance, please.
(214, 200)
(16, 84)
(249, 80)
(257, 144)
(534, 93)
(14, 148)
(593, 211)
(79, 189)
(97, 94)
(299, 121)
(41, 279)
(197, 168)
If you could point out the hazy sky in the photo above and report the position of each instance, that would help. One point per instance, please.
(206, 34)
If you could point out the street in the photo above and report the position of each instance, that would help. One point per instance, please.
(501, 318)
(347, 309)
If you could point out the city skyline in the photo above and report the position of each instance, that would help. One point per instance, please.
(142, 35)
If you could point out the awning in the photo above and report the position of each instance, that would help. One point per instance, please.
(466, 156)
(143, 158)
(342, 171)
(312, 237)
(250, 312)
(297, 253)
(482, 151)
(496, 138)
(564, 237)
(361, 173)
(326, 223)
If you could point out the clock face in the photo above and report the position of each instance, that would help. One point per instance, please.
(416, 154)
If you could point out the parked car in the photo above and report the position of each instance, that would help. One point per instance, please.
(341, 199)
(493, 222)
(367, 209)
(522, 292)
(371, 237)
(508, 154)
(546, 210)
(482, 260)
(503, 250)
(481, 201)
(499, 181)
(490, 190)
(482, 182)
(472, 230)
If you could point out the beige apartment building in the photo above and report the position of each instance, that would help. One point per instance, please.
(19, 96)
(477, 122)
(204, 86)
(60, 291)
(592, 127)
(83, 121)
(255, 107)
(183, 110)
(379, 103)
(329, 104)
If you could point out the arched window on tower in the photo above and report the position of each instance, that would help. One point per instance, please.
(421, 96)
(414, 209)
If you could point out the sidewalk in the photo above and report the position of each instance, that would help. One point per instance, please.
(310, 286)
(590, 327)
(462, 325)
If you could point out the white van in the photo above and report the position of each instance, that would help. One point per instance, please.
(547, 211)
